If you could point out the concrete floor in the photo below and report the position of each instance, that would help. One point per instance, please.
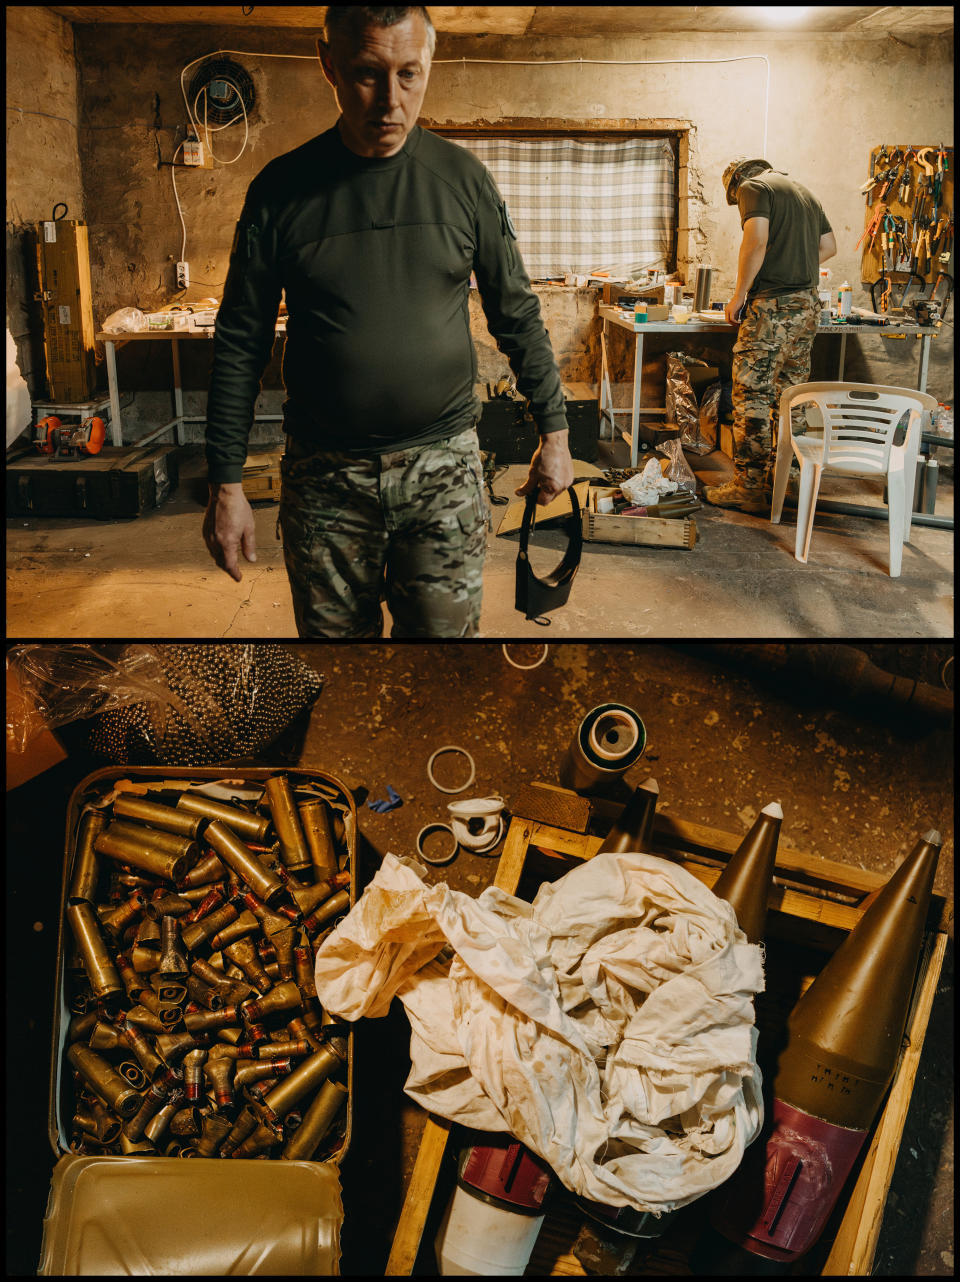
(152, 576)
(855, 785)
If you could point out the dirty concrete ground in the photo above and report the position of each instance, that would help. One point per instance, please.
(153, 577)
(856, 786)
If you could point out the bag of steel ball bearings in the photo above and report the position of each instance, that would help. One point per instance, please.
(162, 704)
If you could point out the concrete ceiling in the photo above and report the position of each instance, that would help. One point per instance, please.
(562, 20)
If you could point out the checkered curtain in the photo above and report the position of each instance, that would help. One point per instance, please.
(578, 205)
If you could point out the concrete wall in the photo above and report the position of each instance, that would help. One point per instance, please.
(830, 99)
(43, 164)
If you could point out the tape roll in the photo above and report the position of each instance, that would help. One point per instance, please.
(441, 859)
(609, 740)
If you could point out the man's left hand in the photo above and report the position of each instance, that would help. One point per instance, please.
(551, 468)
(733, 309)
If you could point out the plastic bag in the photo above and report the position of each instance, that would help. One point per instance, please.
(648, 485)
(682, 400)
(608, 1025)
(126, 320)
(709, 418)
(679, 470)
(162, 704)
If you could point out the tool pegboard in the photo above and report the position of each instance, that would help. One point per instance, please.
(908, 222)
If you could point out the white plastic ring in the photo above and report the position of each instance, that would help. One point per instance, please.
(443, 859)
(524, 667)
(451, 748)
(484, 843)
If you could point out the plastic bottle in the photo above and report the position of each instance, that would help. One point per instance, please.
(944, 425)
(844, 302)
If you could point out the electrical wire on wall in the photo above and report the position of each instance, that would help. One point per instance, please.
(505, 62)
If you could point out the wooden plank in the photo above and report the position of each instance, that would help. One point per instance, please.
(416, 1205)
(856, 1241)
(510, 864)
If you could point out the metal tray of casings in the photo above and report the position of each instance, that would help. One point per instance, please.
(158, 1216)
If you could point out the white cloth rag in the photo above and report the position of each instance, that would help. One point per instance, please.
(608, 1025)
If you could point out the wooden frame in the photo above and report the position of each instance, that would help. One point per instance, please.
(817, 901)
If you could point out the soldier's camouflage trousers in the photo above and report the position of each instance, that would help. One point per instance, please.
(772, 353)
(409, 527)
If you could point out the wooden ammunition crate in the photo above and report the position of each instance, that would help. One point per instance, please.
(261, 477)
(813, 904)
(647, 531)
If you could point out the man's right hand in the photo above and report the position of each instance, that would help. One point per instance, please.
(228, 527)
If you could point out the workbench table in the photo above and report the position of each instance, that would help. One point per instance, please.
(613, 316)
(683, 330)
(112, 341)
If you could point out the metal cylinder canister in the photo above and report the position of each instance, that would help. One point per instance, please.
(608, 741)
(244, 863)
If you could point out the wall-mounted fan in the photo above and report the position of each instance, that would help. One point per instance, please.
(227, 84)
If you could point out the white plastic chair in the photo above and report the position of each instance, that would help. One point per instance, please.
(859, 424)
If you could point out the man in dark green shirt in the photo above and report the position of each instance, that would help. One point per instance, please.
(786, 236)
(372, 230)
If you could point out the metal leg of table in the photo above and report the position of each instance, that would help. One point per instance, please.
(606, 397)
(924, 362)
(116, 427)
(177, 391)
(635, 415)
(843, 355)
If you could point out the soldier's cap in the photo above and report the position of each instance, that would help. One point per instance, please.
(735, 173)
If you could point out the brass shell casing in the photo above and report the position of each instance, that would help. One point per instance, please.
(172, 958)
(193, 1072)
(97, 962)
(263, 1138)
(172, 1047)
(160, 1122)
(305, 1078)
(204, 1021)
(245, 864)
(332, 907)
(131, 1036)
(286, 821)
(207, 870)
(86, 865)
(197, 931)
(168, 905)
(317, 1120)
(285, 996)
(245, 1125)
(152, 1102)
(212, 899)
(166, 818)
(144, 1018)
(241, 926)
(103, 1080)
(186, 1123)
(219, 1073)
(316, 829)
(122, 842)
(244, 824)
(215, 1130)
(117, 919)
(244, 954)
(204, 994)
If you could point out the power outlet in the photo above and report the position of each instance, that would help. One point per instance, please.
(183, 275)
(192, 152)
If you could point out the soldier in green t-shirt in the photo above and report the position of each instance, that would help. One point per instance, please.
(786, 236)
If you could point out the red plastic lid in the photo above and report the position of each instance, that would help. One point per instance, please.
(504, 1169)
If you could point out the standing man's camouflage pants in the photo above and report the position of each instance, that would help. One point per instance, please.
(409, 526)
(772, 353)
